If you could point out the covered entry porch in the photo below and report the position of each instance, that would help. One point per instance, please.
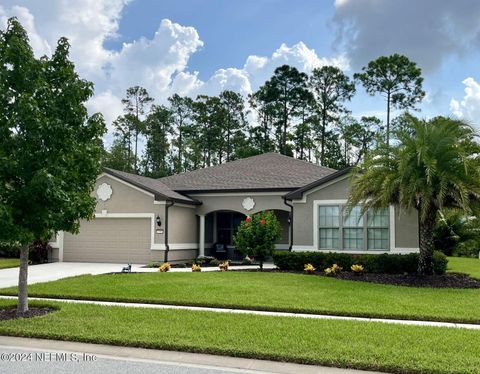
(217, 230)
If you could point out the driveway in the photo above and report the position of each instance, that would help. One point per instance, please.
(58, 270)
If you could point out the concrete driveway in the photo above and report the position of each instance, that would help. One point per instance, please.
(58, 270)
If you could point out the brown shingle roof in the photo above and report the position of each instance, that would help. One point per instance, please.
(155, 186)
(269, 171)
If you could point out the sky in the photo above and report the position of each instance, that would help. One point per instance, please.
(195, 47)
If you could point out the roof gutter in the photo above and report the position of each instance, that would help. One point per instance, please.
(291, 223)
(167, 246)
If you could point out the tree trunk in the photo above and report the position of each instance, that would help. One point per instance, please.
(136, 147)
(427, 227)
(388, 120)
(324, 124)
(22, 306)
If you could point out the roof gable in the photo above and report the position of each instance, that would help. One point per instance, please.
(153, 186)
(298, 194)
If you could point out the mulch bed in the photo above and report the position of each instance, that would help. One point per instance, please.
(6, 314)
(449, 280)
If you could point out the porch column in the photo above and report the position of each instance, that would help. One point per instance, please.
(201, 247)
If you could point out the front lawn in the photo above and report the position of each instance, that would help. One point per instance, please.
(360, 345)
(9, 263)
(270, 291)
(470, 266)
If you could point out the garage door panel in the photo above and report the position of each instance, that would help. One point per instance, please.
(110, 240)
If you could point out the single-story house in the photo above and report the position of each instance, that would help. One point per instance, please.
(180, 217)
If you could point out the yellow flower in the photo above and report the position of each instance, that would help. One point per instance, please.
(196, 268)
(164, 267)
(356, 268)
(309, 269)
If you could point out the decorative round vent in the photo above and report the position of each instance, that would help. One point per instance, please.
(248, 203)
(104, 191)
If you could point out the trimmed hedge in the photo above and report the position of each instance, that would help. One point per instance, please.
(372, 263)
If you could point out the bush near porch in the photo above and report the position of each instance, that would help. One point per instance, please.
(372, 263)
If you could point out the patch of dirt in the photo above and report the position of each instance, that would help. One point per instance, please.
(449, 280)
(6, 314)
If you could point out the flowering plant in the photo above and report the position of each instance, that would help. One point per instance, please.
(334, 269)
(357, 269)
(164, 267)
(196, 268)
(256, 236)
(309, 269)
(224, 266)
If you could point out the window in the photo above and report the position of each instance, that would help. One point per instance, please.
(377, 231)
(329, 227)
(352, 231)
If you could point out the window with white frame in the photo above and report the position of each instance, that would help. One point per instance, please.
(352, 231)
(329, 226)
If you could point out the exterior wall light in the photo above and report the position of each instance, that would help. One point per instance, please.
(159, 221)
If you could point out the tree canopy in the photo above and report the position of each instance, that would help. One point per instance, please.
(434, 166)
(50, 148)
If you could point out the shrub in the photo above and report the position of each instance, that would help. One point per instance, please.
(196, 268)
(468, 248)
(39, 252)
(333, 270)
(256, 236)
(214, 262)
(10, 249)
(164, 267)
(356, 268)
(372, 263)
(440, 262)
(309, 269)
(224, 266)
(204, 260)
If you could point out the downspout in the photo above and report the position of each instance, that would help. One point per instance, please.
(291, 223)
(167, 246)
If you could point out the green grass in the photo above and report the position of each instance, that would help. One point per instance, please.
(270, 291)
(470, 266)
(361, 345)
(9, 263)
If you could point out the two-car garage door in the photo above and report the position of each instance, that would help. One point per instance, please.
(116, 240)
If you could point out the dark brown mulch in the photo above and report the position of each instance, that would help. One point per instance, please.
(6, 314)
(449, 280)
(452, 280)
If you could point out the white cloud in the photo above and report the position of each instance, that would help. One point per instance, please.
(160, 63)
(468, 108)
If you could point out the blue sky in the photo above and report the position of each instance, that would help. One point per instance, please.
(233, 30)
(205, 46)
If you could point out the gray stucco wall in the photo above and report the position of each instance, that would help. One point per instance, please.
(213, 202)
(126, 199)
(182, 225)
(303, 212)
(406, 222)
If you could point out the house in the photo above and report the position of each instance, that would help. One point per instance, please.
(180, 217)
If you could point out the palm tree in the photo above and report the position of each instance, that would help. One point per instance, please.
(434, 165)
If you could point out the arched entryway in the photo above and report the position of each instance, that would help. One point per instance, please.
(219, 228)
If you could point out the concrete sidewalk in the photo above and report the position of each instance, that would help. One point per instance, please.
(178, 360)
(257, 312)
